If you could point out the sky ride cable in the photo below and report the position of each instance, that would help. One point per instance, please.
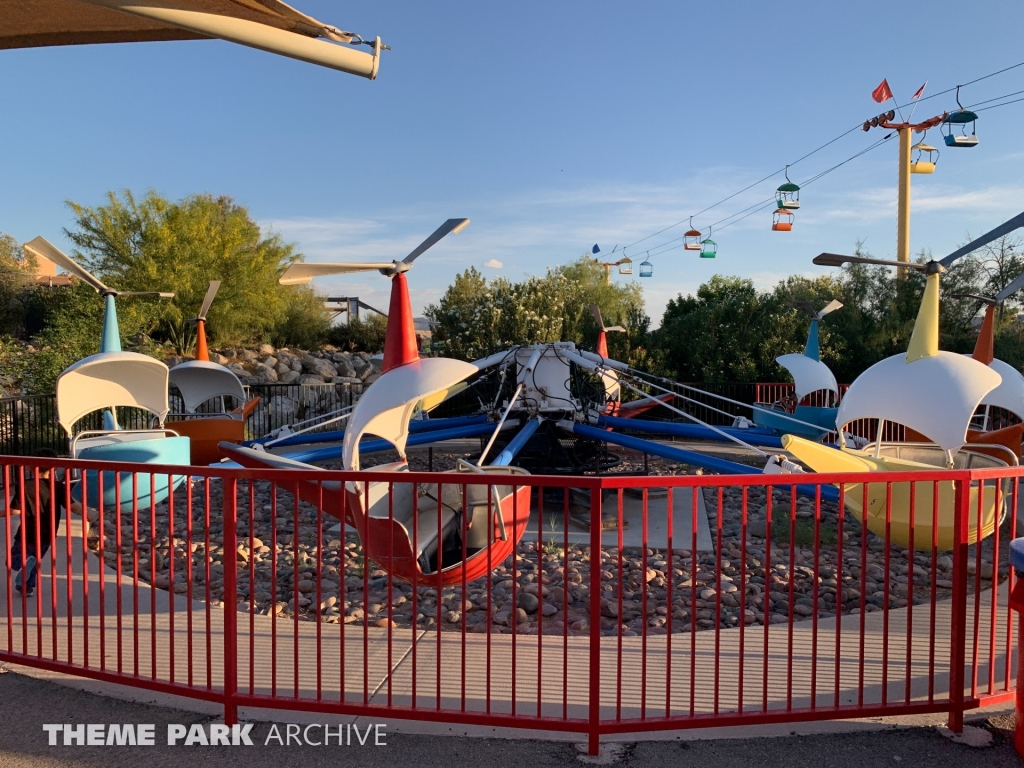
(769, 202)
(912, 102)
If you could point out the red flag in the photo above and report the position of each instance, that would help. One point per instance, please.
(882, 92)
(919, 91)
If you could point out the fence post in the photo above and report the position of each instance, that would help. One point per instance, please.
(594, 714)
(14, 428)
(229, 600)
(958, 612)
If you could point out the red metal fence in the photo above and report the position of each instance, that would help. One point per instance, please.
(699, 601)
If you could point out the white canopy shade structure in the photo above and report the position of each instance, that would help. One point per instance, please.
(1010, 393)
(809, 375)
(201, 380)
(269, 25)
(108, 380)
(385, 408)
(935, 395)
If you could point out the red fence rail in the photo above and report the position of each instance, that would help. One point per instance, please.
(697, 600)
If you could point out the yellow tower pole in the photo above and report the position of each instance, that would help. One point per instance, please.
(903, 201)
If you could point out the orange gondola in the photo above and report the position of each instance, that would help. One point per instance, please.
(782, 220)
(691, 240)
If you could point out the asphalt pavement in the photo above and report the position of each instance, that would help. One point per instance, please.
(27, 703)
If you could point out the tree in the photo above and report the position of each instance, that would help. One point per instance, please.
(730, 331)
(153, 243)
(476, 318)
(16, 268)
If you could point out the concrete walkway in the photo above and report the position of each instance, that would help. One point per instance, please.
(169, 639)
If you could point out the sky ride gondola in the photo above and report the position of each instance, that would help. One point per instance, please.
(954, 126)
(788, 195)
(782, 220)
(691, 239)
(625, 265)
(925, 159)
(708, 247)
(646, 269)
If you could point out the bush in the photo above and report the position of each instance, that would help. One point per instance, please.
(306, 322)
(361, 335)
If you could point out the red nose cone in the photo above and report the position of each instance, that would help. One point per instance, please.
(602, 344)
(985, 348)
(400, 343)
(202, 353)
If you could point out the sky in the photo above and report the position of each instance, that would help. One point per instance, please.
(552, 126)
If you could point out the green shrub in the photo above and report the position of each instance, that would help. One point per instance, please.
(361, 335)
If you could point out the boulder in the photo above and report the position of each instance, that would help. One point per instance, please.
(344, 365)
(360, 365)
(346, 380)
(266, 349)
(282, 409)
(264, 373)
(248, 354)
(217, 357)
(269, 361)
(237, 369)
(318, 367)
(290, 377)
(282, 369)
(310, 379)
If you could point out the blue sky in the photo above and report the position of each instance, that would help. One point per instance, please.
(551, 125)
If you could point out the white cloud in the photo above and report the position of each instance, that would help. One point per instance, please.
(524, 233)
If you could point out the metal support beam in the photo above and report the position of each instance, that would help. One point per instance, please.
(254, 35)
(903, 200)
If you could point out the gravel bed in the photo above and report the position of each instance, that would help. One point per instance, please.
(547, 588)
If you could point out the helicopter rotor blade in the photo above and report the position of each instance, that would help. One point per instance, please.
(161, 294)
(452, 226)
(43, 248)
(302, 272)
(211, 292)
(807, 307)
(596, 312)
(1003, 229)
(976, 297)
(829, 308)
(835, 260)
(1011, 289)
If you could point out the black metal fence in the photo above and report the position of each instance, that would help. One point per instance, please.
(29, 423)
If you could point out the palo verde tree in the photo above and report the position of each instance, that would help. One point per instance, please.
(152, 243)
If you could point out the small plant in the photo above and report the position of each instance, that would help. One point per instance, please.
(552, 547)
